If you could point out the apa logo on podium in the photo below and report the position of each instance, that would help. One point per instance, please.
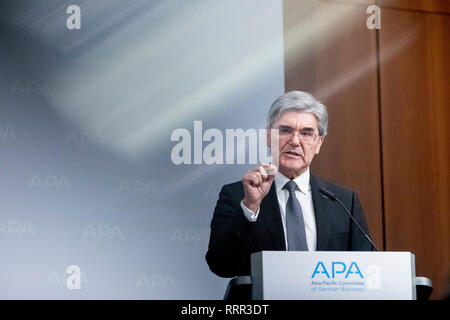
(340, 276)
(337, 267)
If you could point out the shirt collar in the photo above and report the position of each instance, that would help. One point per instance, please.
(302, 181)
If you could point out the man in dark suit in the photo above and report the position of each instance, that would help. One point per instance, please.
(280, 207)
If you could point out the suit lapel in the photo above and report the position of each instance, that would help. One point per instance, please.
(270, 213)
(322, 211)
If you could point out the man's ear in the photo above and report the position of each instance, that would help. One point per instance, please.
(268, 136)
(319, 143)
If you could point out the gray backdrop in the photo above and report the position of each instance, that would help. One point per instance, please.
(86, 117)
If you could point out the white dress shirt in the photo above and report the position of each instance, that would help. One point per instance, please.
(304, 197)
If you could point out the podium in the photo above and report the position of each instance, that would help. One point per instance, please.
(333, 275)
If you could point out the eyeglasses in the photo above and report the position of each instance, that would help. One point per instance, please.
(306, 135)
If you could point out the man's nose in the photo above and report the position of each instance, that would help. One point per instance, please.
(295, 139)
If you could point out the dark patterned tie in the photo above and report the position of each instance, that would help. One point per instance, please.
(295, 225)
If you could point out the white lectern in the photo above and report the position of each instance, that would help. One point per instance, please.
(333, 275)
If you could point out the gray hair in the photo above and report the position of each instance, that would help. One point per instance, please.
(300, 101)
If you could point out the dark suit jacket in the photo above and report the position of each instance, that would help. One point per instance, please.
(233, 238)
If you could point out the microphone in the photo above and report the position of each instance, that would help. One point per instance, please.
(330, 195)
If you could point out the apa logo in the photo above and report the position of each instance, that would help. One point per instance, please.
(10, 228)
(83, 137)
(31, 88)
(156, 280)
(137, 187)
(188, 236)
(337, 267)
(102, 232)
(49, 183)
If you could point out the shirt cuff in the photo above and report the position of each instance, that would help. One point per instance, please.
(249, 214)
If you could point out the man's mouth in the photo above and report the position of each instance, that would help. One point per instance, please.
(293, 153)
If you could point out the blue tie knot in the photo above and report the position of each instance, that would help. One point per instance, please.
(291, 186)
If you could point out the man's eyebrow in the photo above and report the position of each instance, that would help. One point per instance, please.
(284, 126)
